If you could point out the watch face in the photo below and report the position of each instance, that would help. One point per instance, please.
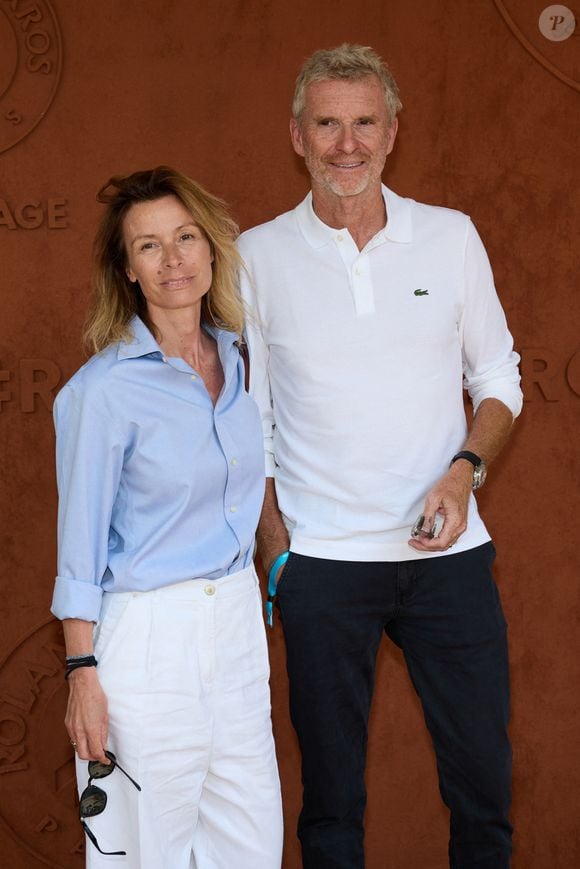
(479, 475)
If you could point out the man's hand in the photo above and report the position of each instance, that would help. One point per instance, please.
(450, 496)
(272, 536)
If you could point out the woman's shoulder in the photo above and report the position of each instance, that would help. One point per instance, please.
(91, 378)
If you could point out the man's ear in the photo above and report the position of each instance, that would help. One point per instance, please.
(296, 137)
(392, 134)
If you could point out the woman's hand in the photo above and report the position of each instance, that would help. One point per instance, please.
(87, 718)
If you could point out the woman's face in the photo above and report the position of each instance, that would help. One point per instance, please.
(168, 254)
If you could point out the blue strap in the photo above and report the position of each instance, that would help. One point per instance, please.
(282, 559)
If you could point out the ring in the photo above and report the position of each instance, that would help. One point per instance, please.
(74, 744)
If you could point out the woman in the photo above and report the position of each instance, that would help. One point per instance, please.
(160, 474)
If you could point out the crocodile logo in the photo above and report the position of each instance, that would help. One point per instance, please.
(421, 293)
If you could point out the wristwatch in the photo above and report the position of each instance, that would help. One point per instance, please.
(479, 467)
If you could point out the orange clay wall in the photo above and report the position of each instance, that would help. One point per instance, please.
(491, 126)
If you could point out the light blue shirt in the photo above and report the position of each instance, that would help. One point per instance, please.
(156, 485)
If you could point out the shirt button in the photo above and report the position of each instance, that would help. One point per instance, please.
(339, 237)
(233, 509)
(357, 271)
(234, 461)
(209, 590)
(194, 376)
(164, 359)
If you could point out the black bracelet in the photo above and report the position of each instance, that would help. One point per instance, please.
(73, 664)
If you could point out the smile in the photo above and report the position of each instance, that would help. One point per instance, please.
(176, 283)
(347, 165)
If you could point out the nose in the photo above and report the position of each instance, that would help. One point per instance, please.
(347, 142)
(171, 256)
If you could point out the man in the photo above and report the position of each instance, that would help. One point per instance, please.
(369, 312)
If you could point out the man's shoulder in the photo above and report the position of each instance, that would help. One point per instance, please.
(440, 213)
(280, 226)
(426, 215)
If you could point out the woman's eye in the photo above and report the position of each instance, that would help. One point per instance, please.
(187, 236)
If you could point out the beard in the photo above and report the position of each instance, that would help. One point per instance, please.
(343, 183)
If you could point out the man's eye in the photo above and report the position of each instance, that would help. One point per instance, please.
(366, 122)
(326, 122)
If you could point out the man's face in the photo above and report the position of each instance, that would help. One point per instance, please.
(344, 135)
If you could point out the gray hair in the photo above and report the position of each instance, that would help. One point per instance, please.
(350, 63)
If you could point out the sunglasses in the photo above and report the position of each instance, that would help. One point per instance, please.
(93, 800)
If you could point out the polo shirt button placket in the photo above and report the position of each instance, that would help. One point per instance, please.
(362, 287)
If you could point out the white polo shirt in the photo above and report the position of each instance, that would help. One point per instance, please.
(358, 364)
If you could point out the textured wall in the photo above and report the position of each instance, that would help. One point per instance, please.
(490, 126)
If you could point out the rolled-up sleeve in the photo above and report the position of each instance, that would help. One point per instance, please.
(490, 364)
(89, 459)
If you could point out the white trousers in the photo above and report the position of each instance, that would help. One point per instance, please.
(185, 671)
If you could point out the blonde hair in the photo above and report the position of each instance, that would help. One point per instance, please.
(350, 63)
(115, 299)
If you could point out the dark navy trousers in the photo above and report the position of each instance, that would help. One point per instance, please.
(446, 616)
